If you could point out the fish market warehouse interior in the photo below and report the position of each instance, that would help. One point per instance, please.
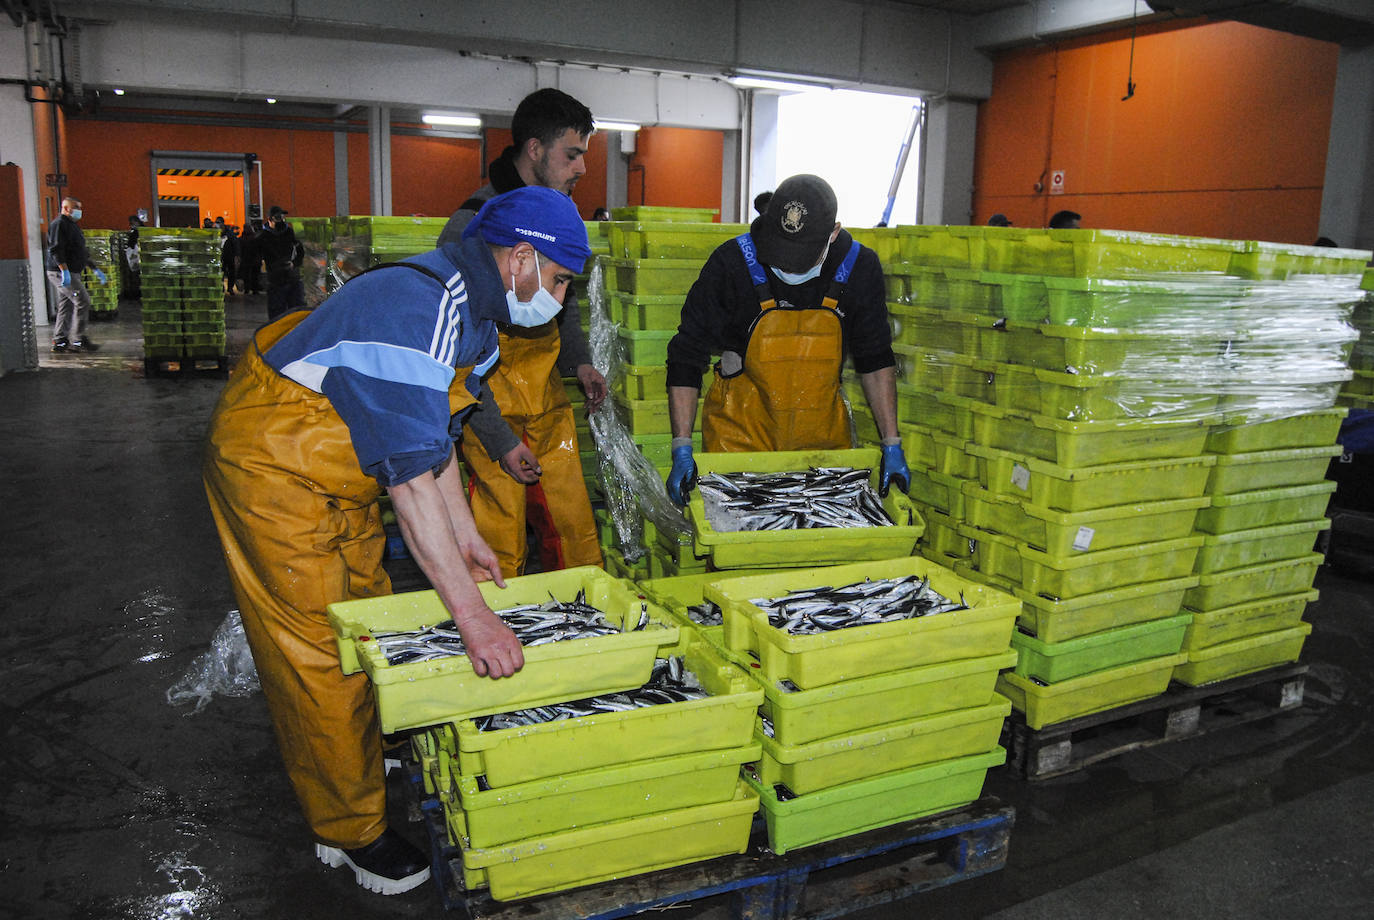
(1174, 721)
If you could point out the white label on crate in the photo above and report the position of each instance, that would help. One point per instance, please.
(1020, 477)
(1084, 538)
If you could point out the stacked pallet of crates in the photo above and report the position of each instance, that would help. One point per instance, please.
(104, 249)
(362, 241)
(558, 804)
(183, 300)
(316, 236)
(656, 254)
(1057, 396)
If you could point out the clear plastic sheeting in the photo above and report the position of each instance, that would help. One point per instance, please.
(227, 668)
(1169, 347)
(179, 252)
(631, 485)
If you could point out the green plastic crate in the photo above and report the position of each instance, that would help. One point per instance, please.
(1023, 298)
(671, 239)
(493, 817)
(1247, 619)
(804, 716)
(1243, 656)
(953, 247)
(1265, 508)
(1073, 444)
(884, 241)
(1064, 533)
(655, 276)
(1092, 572)
(857, 756)
(940, 491)
(645, 311)
(1128, 302)
(660, 213)
(811, 661)
(1095, 692)
(818, 546)
(603, 852)
(646, 416)
(645, 347)
(1268, 579)
(1014, 474)
(429, 692)
(1065, 620)
(943, 537)
(723, 720)
(873, 803)
(1277, 261)
(1270, 469)
(950, 414)
(1117, 253)
(1246, 433)
(1052, 662)
(1240, 548)
(1086, 397)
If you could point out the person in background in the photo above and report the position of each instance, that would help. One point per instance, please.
(779, 304)
(327, 409)
(282, 255)
(207, 224)
(1065, 220)
(601, 214)
(250, 260)
(131, 256)
(761, 201)
(67, 258)
(525, 452)
(228, 254)
(999, 220)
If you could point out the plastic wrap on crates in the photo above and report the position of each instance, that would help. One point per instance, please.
(631, 485)
(226, 668)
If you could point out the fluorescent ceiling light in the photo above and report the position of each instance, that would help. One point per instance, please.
(119, 92)
(782, 86)
(616, 126)
(454, 121)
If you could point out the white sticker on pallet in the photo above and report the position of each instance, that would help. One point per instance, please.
(1020, 477)
(1084, 539)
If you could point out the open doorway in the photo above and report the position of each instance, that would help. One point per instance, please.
(178, 212)
(217, 182)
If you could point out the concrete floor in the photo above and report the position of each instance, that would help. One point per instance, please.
(119, 805)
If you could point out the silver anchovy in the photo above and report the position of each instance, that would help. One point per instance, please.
(823, 609)
(806, 499)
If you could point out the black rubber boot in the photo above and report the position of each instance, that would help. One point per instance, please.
(388, 865)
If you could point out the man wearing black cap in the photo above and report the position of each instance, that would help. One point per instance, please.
(278, 249)
(327, 409)
(779, 304)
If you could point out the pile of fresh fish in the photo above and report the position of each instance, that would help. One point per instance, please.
(668, 683)
(817, 610)
(706, 614)
(533, 624)
(818, 497)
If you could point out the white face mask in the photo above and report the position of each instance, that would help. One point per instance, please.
(536, 311)
(76, 213)
(802, 277)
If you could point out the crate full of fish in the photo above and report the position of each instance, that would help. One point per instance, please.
(880, 801)
(721, 716)
(798, 508)
(684, 597)
(856, 756)
(821, 626)
(617, 849)
(584, 633)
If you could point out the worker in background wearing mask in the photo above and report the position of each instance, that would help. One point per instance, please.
(67, 259)
(328, 408)
(779, 304)
(524, 458)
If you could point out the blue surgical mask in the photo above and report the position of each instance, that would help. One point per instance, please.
(802, 277)
(76, 213)
(538, 310)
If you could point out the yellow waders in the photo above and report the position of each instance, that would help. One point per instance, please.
(530, 393)
(302, 529)
(787, 396)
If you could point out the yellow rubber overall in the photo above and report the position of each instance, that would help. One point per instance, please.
(530, 393)
(301, 529)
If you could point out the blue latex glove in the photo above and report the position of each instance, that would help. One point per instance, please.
(683, 476)
(66, 278)
(894, 469)
(99, 275)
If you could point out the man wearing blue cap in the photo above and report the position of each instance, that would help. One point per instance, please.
(326, 409)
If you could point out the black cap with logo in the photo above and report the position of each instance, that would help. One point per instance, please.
(793, 230)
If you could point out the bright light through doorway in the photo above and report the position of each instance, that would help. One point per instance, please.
(851, 139)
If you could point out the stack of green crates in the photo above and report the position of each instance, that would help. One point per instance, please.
(1358, 393)
(561, 804)
(362, 241)
(1056, 394)
(183, 296)
(316, 236)
(104, 248)
(869, 726)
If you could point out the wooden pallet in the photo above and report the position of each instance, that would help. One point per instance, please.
(217, 366)
(819, 882)
(1180, 712)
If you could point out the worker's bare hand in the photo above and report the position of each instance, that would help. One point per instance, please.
(593, 385)
(482, 562)
(522, 465)
(492, 647)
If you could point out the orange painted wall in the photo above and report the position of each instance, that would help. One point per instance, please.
(431, 176)
(1226, 135)
(681, 168)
